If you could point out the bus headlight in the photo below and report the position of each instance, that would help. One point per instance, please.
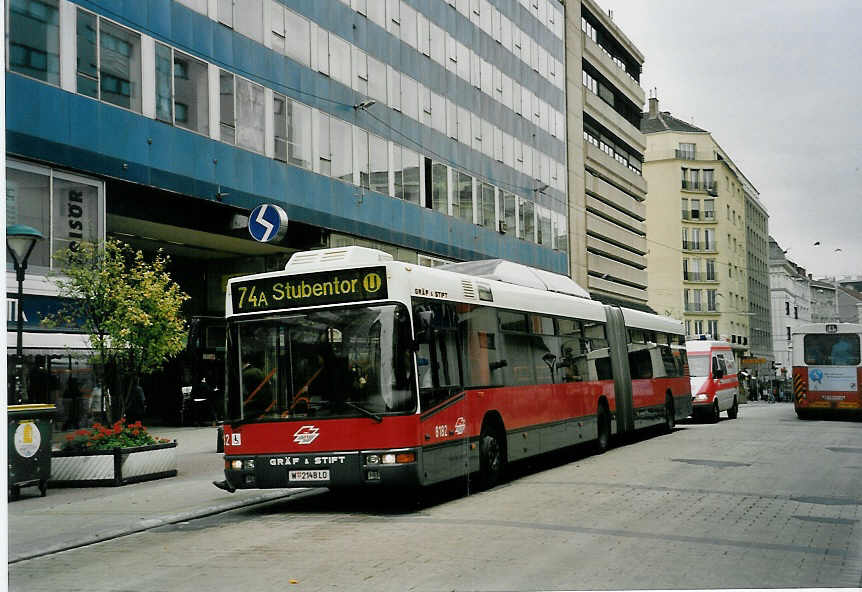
(372, 459)
(701, 397)
(236, 465)
(389, 459)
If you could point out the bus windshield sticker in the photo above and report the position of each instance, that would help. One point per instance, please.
(295, 291)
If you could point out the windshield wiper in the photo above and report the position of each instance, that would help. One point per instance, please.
(364, 411)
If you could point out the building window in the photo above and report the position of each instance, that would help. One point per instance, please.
(297, 38)
(686, 151)
(487, 213)
(298, 134)
(34, 39)
(250, 114)
(227, 122)
(526, 220)
(342, 150)
(279, 117)
(325, 155)
(405, 165)
(787, 309)
(111, 73)
(543, 226)
(378, 162)
(788, 333)
(439, 188)
(182, 90)
(464, 196)
(376, 80)
(795, 312)
(709, 209)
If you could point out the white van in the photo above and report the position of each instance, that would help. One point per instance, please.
(714, 381)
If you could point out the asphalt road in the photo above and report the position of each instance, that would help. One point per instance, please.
(762, 501)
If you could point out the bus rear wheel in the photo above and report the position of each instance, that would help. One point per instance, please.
(733, 412)
(669, 418)
(492, 458)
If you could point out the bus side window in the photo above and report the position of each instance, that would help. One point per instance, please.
(519, 370)
(483, 359)
(438, 359)
(573, 351)
(599, 356)
(545, 349)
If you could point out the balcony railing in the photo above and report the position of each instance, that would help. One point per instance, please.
(702, 307)
(710, 187)
(699, 246)
(699, 215)
(699, 276)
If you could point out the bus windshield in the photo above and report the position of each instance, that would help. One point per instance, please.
(334, 362)
(836, 349)
(698, 365)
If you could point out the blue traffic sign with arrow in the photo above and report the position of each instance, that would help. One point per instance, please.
(267, 223)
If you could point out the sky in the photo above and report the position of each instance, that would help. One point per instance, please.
(778, 83)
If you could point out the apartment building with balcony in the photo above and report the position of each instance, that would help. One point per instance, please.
(695, 218)
(607, 190)
(790, 294)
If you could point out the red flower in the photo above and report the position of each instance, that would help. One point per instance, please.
(70, 437)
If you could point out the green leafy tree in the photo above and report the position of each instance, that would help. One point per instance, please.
(128, 306)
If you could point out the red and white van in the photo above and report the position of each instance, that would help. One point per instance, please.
(714, 382)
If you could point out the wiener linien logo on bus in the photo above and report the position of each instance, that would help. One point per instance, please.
(306, 434)
(309, 289)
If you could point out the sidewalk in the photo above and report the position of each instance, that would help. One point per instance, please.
(71, 517)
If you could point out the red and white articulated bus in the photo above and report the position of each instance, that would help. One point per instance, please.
(349, 368)
(827, 370)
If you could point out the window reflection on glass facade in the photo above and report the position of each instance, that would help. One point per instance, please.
(119, 66)
(163, 83)
(279, 125)
(526, 226)
(298, 38)
(464, 201)
(439, 188)
(88, 57)
(487, 215)
(227, 124)
(250, 115)
(325, 159)
(191, 90)
(507, 210)
(543, 217)
(361, 147)
(342, 150)
(34, 39)
(410, 163)
(379, 164)
(299, 134)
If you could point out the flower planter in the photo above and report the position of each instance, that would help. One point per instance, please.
(99, 468)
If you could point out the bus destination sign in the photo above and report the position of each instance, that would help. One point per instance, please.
(311, 289)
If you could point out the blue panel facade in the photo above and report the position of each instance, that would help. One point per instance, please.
(48, 124)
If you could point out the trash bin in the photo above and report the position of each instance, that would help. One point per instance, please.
(31, 432)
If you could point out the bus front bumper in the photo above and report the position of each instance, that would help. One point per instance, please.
(333, 470)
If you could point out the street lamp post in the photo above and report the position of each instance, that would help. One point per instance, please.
(20, 241)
